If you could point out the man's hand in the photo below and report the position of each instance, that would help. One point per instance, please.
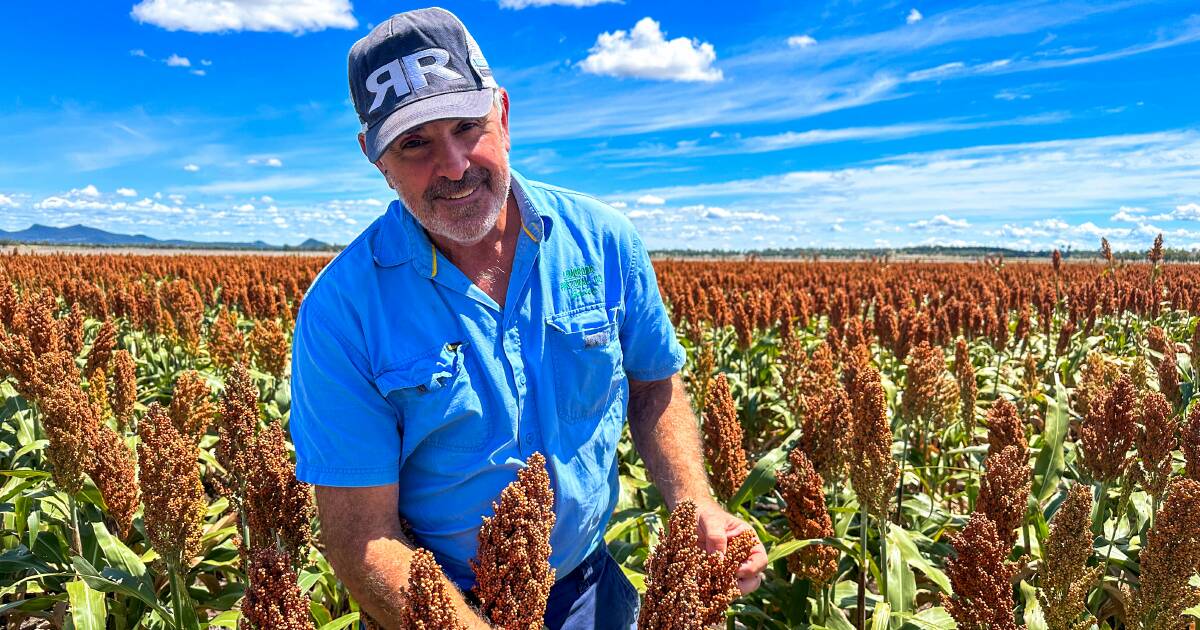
(715, 527)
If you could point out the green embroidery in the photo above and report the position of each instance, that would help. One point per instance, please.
(581, 281)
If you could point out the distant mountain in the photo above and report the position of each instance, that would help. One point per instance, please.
(84, 235)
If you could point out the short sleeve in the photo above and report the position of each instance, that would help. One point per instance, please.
(346, 434)
(651, 351)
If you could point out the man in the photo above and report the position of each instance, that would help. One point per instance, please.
(482, 318)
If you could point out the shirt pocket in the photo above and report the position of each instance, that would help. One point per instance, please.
(584, 352)
(436, 402)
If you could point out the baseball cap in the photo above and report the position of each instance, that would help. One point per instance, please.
(416, 67)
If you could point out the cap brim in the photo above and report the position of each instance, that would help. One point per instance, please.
(469, 104)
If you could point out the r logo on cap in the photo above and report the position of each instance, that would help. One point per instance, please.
(409, 66)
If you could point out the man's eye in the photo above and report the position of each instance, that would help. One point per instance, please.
(411, 144)
(467, 126)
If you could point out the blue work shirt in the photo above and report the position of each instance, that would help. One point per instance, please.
(404, 371)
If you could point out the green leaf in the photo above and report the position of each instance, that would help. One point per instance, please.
(1050, 461)
(113, 580)
(1034, 619)
(762, 477)
(341, 622)
(881, 616)
(902, 539)
(87, 606)
(227, 619)
(901, 583)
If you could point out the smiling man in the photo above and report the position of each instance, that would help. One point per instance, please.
(482, 318)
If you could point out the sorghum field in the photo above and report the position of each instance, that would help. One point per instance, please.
(920, 445)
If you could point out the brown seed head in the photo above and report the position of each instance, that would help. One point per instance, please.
(1156, 338)
(980, 578)
(172, 494)
(1171, 556)
(1109, 431)
(512, 568)
(825, 432)
(873, 471)
(723, 439)
(270, 346)
(273, 599)
(968, 391)
(102, 348)
(1168, 378)
(192, 409)
(124, 387)
(1190, 441)
(1005, 427)
(427, 603)
(1065, 576)
(1004, 492)
(71, 423)
(279, 508)
(1155, 442)
(114, 471)
(804, 500)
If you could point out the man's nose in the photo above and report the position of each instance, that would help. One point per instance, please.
(450, 160)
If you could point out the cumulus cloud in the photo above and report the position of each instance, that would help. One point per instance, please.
(199, 73)
(914, 16)
(1187, 212)
(276, 162)
(940, 222)
(206, 62)
(87, 191)
(801, 41)
(645, 53)
(213, 16)
(6, 201)
(126, 192)
(523, 4)
(191, 168)
(175, 61)
(273, 161)
(137, 52)
(650, 200)
(619, 205)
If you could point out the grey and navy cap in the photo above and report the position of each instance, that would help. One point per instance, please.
(416, 67)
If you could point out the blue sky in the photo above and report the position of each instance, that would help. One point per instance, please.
(735, 125)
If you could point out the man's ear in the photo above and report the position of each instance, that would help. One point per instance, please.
(362, 144)
(504, 104)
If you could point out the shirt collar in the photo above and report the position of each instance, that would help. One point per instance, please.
(401, 238)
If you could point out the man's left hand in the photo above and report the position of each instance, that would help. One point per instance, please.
(715, 527)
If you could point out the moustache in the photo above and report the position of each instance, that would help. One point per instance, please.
(472, 177)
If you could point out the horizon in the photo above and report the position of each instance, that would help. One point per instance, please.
(1027, 125)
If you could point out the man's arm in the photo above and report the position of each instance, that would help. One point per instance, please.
(667, 436)
(363, 542)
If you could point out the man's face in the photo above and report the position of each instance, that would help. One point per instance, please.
(453, 174)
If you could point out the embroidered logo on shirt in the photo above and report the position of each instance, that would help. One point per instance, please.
(581, 282)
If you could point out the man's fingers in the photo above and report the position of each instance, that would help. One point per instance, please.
(749, 584)
(755, 563)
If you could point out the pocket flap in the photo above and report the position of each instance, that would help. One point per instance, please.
(588, 327)
(425, 373)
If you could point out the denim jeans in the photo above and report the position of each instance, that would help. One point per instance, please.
(596, 595)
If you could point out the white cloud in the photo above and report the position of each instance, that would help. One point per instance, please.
(6, 201)
(938, 72)
(645, 53)
(644, 214)
(276, 162)
(619, 204)
(267, 199)
(206, 62)
(650, 200)
(199, 73)
(523, 4)
(1129, 215)
(246, 207)
(801, 41)
(1012, 95)
(914, 16)
(940, 222)
(1187, 212)
(126, 192)
(191, 168)
(175, 61)
(137, 52)
(212, 16)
